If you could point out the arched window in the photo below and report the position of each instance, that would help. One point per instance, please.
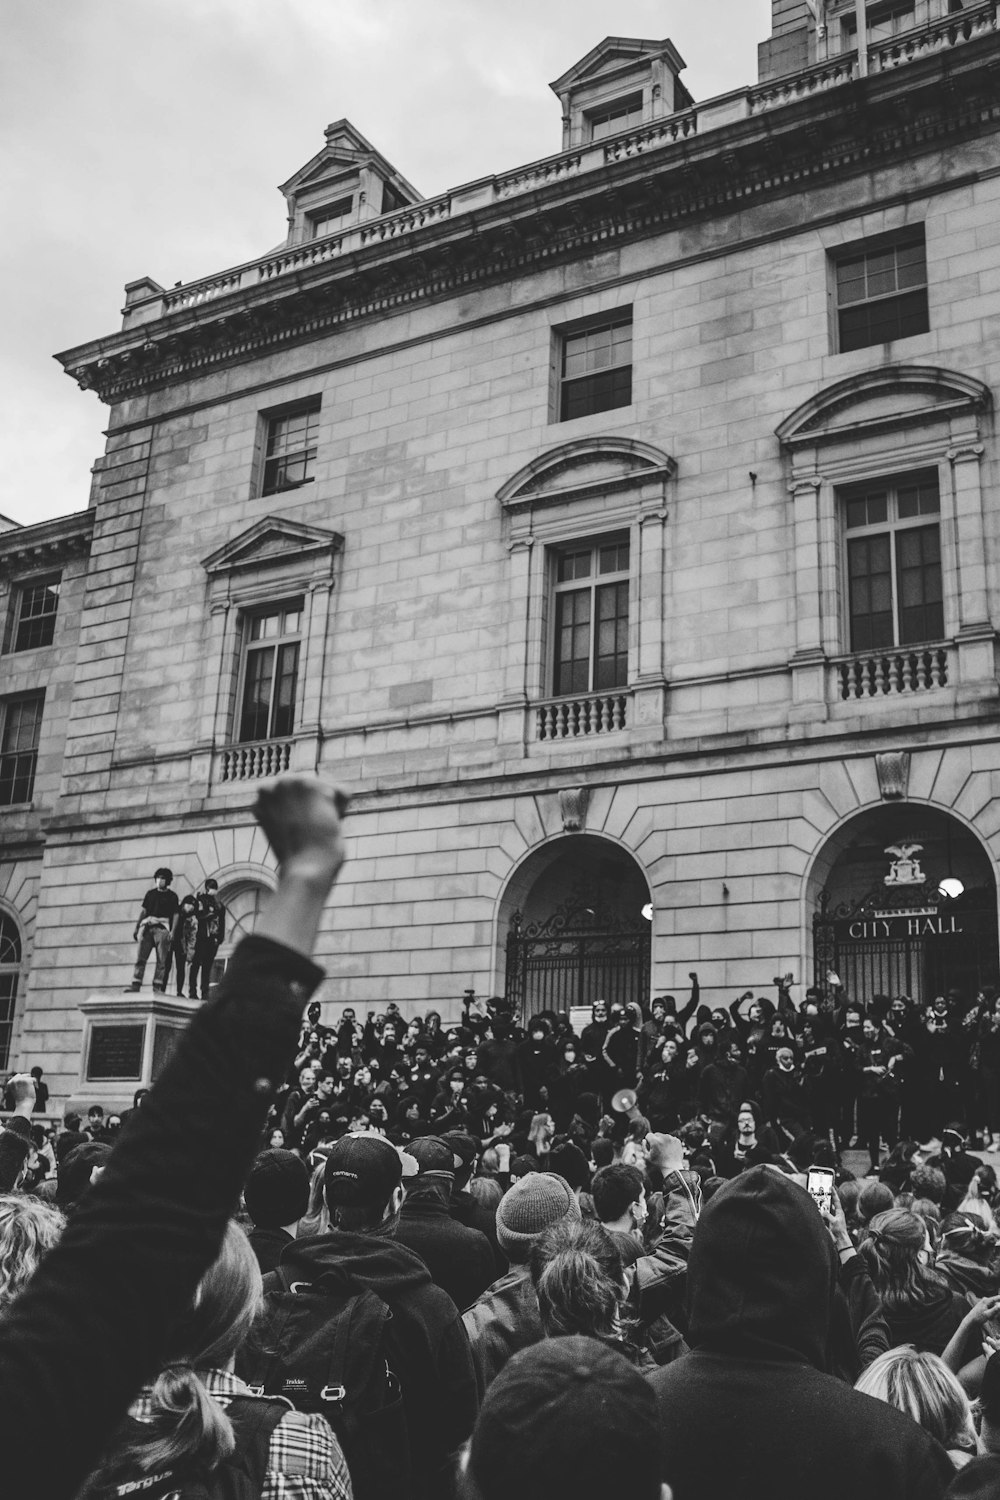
(242, 901)
(10, 973)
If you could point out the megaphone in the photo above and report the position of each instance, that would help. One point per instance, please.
(625, 1102)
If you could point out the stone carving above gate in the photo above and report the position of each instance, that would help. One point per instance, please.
(893, 770)
(904, 870)
(573, 803)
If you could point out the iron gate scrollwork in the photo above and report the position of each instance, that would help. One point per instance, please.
(577, 955)
(911, 941)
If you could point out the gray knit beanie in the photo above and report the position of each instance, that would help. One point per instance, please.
(532, 1205)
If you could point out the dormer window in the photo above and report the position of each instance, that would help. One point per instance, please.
(623, 114)
(333, 217)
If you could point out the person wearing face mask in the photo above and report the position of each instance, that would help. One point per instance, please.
(940, 1056)
(566, 1083)
(535, 1060)
(785, 1104)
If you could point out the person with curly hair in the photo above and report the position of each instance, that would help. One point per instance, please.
(28, 1228)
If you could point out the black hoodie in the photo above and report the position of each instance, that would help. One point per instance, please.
(750, 1412)
(427, 1344)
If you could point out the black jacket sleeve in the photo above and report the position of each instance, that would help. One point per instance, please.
(92, 1324)
(15, 1142)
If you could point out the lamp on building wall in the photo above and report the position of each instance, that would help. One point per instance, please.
(647, 911)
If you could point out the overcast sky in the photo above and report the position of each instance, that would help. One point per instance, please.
(146, 137)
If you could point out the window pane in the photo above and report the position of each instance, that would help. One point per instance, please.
(869, 593)
(595, 393)
(613, 558)
(291, 450)
(257, 694)
(572, 657)
(283, 718)
(611, 669)
(574, 565)
(10, 941)
(22, 724)
(37, 605)
(918, 570)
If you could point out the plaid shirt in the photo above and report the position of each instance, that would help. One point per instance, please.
(304, 1461)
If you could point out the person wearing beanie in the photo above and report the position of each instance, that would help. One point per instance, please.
(460, 1260)
(505, 1318)
(426, 1346)
(276, 1195)
(569, 1416)
(751, 1410)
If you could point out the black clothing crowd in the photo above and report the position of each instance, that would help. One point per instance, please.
(586, 1264)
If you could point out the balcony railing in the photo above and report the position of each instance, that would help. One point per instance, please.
(572, 718)
(945, 34)
(887, 674)
(251, 762)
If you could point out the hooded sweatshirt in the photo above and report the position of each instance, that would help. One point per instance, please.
(750, 1411)
(426, 1343)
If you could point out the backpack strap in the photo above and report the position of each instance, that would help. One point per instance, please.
(254, 1419)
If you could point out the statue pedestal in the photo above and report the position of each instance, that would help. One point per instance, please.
(127, 1040)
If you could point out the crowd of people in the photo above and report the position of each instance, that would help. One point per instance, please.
(401, 1261)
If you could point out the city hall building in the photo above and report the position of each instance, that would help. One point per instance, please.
(621, 531)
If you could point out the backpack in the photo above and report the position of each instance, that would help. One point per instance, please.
(322, 1345)
(239, 1477)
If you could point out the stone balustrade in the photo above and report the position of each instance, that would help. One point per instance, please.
(571, 718)
(939, 36)
(911, 46)
(885, 674)
(254, 761)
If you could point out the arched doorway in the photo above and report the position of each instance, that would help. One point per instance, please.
(572, 929)
(242, 895)
(882, 922)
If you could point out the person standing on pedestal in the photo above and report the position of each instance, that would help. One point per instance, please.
(185, 941)
(154, 929)
(211, 932)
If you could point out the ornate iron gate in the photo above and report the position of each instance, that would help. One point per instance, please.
(911, 941)
(574, 957)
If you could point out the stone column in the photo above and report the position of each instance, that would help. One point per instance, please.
(808, 661)
(649, 680)
(511, 727)
(975, 635)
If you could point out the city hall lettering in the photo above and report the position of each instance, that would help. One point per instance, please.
(904, 925)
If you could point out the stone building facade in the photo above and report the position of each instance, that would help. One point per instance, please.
(620, 531)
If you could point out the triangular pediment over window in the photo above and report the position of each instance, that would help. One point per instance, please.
(893, 397)
(271, 543)
(586, 467)
(614, 53)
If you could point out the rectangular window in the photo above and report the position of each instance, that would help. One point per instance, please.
(893, 546)
(884, 22)
(623, 114)
(882, 293)
(33, 619)
(591, 590)
(270, 672)
(331, 218)
(595, 367)
(290, 451)
(20, 731)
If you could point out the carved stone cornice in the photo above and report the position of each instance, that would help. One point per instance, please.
(824, 137)
(47, 545)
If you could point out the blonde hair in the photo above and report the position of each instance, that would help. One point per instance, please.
(921, 1385)
(28, 1228)
(185, 1422)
